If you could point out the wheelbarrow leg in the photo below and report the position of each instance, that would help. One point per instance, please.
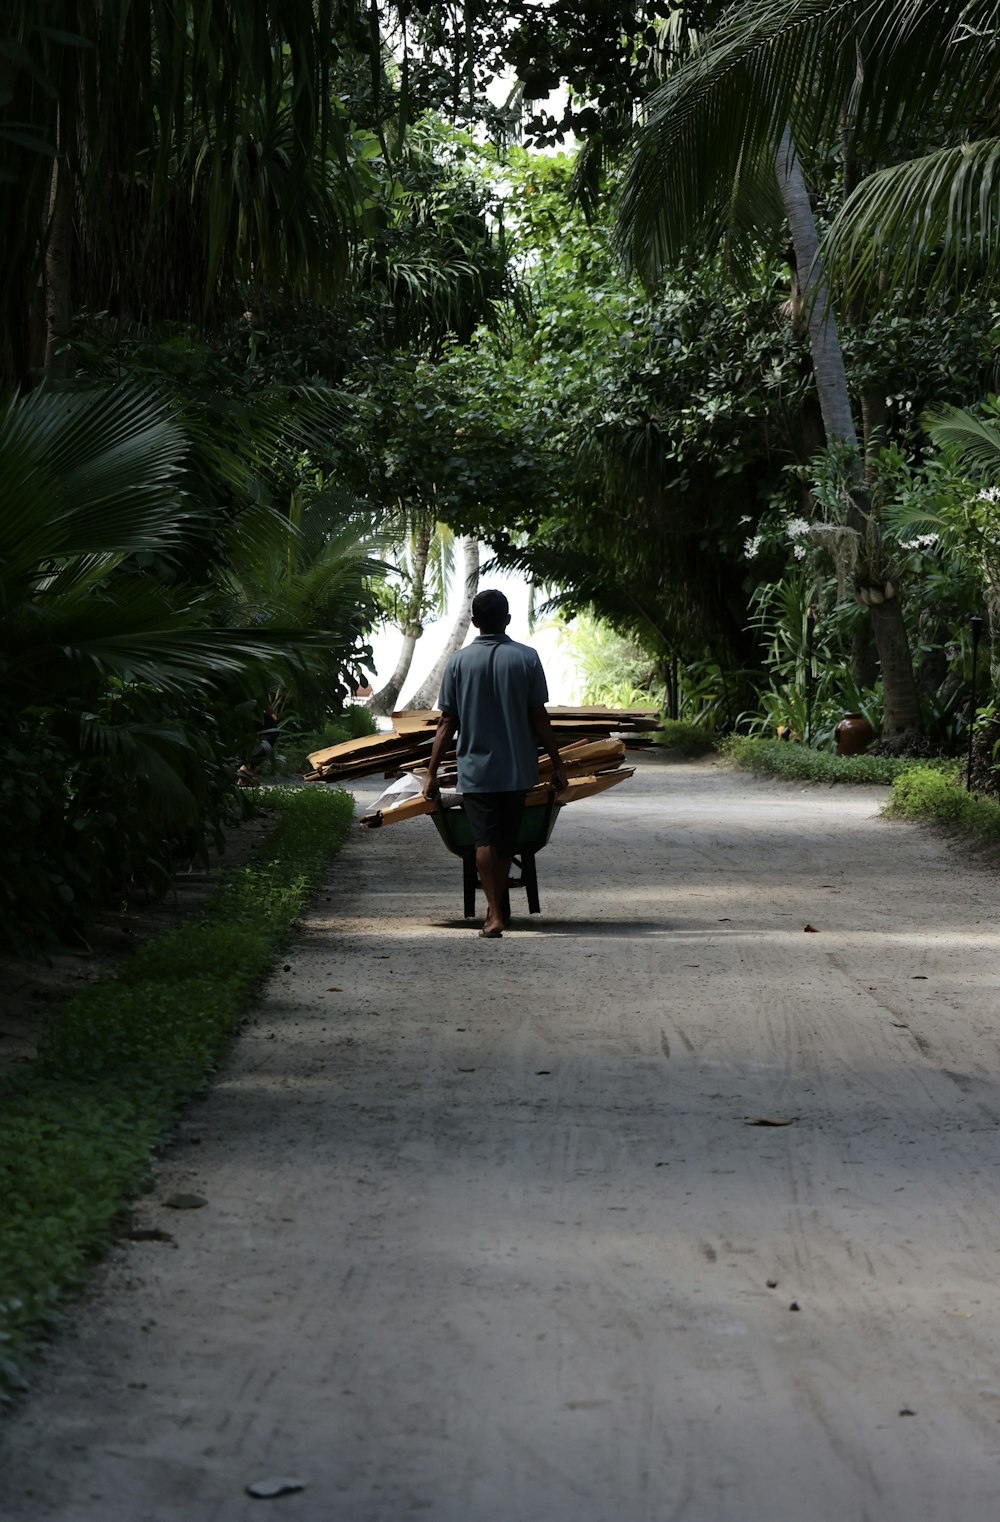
(470, 882)
(530, 879)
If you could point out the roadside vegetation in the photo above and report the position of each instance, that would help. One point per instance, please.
(929, 794)
(797, 763)
(689, 739)
(80, 1126)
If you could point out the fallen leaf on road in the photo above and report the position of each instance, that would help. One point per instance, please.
(771, 1120)
(266, 1490)
(184, 1202)
(466, 1070)
(335, 990)
(772, 1284)
(543, 1072)
(795, 1306)
(907, 1412)
(920, 977)
(811, 928)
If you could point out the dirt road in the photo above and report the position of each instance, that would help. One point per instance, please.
(492, 1234)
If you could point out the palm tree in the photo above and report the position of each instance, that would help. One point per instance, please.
(120, 686)
(731, 123)
(426, 564)
(312, 572)
(426, 695)
(114, 112)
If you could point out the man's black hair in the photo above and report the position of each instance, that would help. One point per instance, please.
(490, 611)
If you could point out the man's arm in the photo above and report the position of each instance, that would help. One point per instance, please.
(542, 725)
(445, 733)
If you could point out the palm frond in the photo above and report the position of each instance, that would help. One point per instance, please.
(88, 472)
(795, 64)
(152, 755)
(927, 224)
(973, 441)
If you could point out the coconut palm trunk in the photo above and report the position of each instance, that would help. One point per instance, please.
(385, 700)
(426, 696)
(902, 704)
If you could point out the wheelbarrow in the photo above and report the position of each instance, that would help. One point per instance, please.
(536, 828)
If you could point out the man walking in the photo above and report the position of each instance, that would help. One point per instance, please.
(493, 697)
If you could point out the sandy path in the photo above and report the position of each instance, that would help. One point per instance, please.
(488, 1236)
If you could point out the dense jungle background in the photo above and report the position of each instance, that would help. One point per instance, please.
(687, 312)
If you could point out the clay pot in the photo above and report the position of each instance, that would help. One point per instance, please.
(854, 735)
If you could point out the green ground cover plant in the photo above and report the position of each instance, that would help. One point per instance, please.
(923, 792)
(689, 739)
(797, 763)
(79, 1128)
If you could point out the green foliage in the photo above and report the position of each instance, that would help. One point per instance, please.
(297, 745)
(451, 439)
(779, 758)
(689, 739)
(609, 668)
(227, 155)
(925, 792)
(78, 1129)
(709, 693)
(806, 659)
(129, 688)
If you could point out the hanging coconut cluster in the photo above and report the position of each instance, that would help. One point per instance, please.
(874, 596)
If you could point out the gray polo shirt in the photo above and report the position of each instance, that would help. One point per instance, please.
(488, 687)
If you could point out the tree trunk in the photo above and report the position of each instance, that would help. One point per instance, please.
(993, 630)
(58, 270)
(824, 341)
(875, 416)
(902, 706)
(899, 689)
(668, 676)
(385, 700)
(427, 695)
(864, 656)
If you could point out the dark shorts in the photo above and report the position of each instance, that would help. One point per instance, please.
(495, 819)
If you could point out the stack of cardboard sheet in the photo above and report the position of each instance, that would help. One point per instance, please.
(407, 745)
(591, 767)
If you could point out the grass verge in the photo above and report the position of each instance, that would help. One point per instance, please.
(796, 763)
(79, 1127)
(926, 794)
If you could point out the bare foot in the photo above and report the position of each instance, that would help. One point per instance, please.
(492, 930)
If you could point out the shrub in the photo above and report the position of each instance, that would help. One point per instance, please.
(779, 758)
(924, 792)
(689, 739)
